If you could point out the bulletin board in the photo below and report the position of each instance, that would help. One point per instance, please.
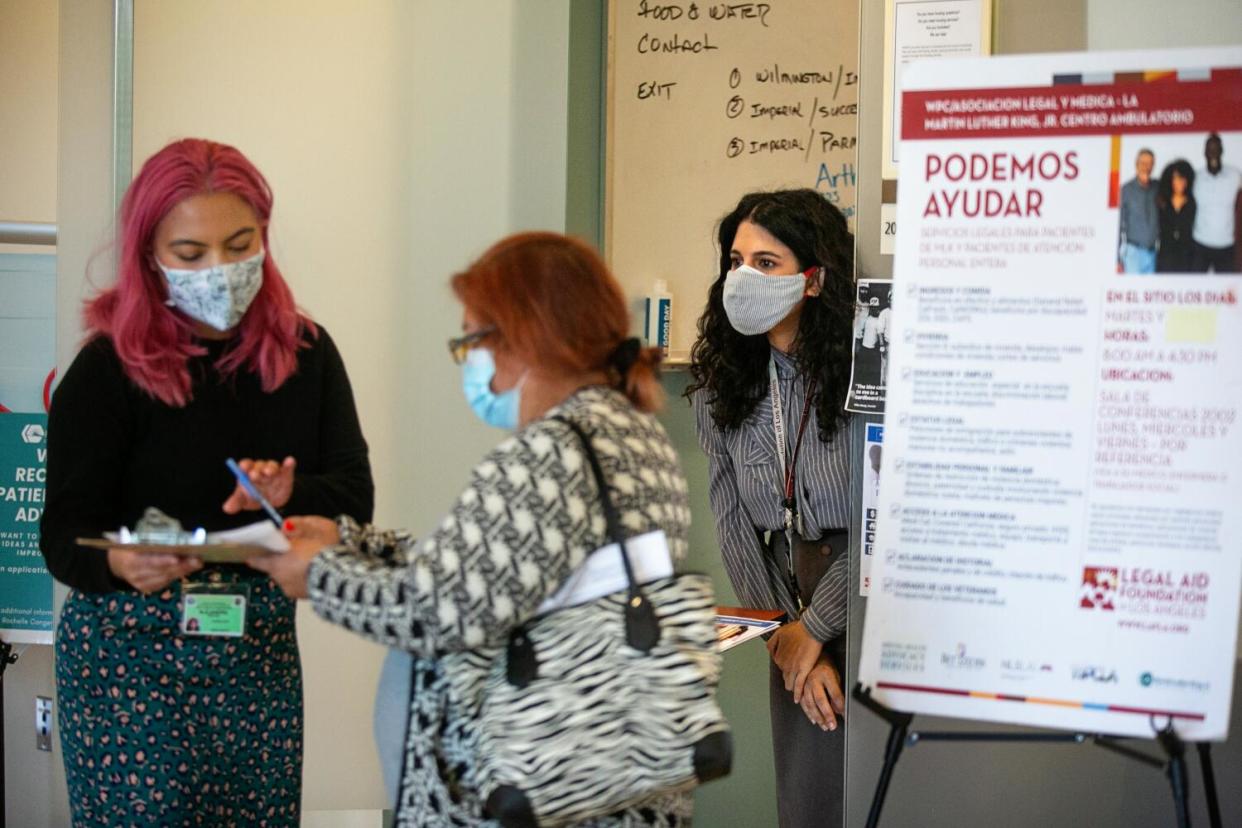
(27, 355)
(706, 102)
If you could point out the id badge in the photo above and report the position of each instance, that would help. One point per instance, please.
(214, 608)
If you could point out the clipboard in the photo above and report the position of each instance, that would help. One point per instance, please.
(229, 546)
(208, 552)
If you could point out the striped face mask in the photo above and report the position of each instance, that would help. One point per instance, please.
(755, 302)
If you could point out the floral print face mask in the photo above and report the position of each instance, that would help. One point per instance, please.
(216, 296)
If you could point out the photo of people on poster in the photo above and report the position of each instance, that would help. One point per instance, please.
(871, 338)
(1180, 204)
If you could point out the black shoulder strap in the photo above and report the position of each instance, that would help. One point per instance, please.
(642, 629)
(611, 517)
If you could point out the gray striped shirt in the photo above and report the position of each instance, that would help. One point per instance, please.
(746, 494)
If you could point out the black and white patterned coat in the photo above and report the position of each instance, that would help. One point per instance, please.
(529, 516)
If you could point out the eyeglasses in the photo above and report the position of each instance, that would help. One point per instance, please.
(460, 346)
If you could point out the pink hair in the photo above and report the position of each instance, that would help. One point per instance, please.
(152, 341)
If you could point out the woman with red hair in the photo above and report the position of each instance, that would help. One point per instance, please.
(545, 345)
(196, 354)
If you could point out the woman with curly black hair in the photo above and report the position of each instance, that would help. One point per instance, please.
(1175, 205)
(771, 368)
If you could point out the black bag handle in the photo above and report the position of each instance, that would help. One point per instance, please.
(642, 627)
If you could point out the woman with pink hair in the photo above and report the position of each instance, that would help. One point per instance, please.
(180, 686)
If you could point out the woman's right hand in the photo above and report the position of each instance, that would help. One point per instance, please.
(149, 573)
(312, 531)
(822, 697)
(307, 536)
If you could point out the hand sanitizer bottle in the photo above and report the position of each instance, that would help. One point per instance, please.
(659, 316)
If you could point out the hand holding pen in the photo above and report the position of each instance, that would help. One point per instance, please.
(261, 484)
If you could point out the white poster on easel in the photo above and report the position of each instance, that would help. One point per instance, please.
(1060, 540)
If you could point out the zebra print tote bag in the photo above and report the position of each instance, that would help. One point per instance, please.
(597, 707)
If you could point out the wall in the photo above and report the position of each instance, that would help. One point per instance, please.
(1158, 24)
(28, 32)
(1027, 26)
(314, 97)
(400, 139)
(28, 115)
(584, 185)
(398, 148)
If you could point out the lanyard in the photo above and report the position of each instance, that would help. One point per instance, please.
(789, 503)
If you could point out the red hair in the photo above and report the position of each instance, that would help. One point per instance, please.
(555, 304)
(152, 341)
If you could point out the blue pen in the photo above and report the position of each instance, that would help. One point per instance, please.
(244, 480)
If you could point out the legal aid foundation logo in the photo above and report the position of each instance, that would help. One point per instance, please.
(1099, 588)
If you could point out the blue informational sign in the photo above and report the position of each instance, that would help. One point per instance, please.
(873, 450)
(25, 585)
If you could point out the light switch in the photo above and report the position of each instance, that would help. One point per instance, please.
(43, 723)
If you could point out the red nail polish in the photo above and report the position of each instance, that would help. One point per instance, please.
(288, 525)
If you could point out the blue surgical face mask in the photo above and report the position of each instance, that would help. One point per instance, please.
(216, 296)
(499, 410)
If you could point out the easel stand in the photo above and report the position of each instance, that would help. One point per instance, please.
(1173, 763)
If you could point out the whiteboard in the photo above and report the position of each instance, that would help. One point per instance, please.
(706, 102)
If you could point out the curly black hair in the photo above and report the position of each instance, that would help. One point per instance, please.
(1164, 194)
(732, 367)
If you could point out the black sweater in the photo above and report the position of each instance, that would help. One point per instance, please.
(113, 450)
